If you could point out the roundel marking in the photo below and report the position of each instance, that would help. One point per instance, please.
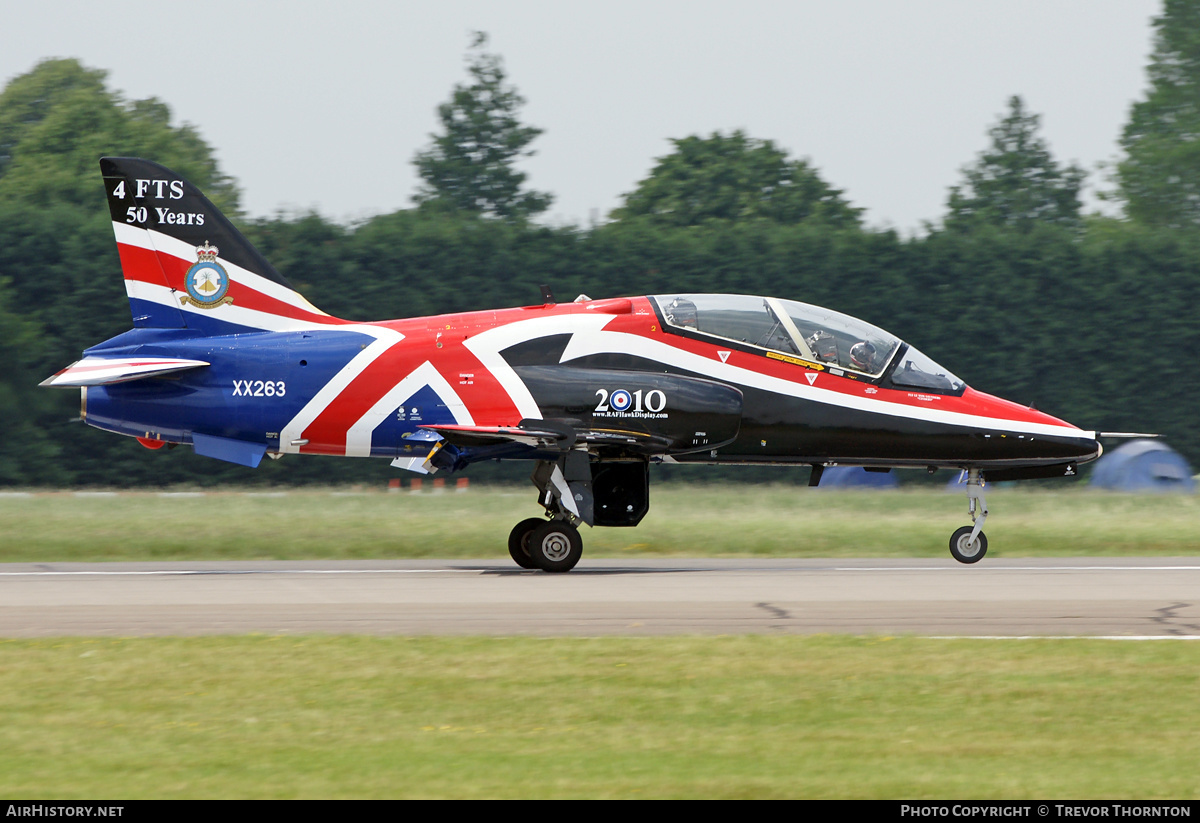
(207, 282)
(620, 400)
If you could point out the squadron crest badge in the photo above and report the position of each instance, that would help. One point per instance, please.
(207, 281)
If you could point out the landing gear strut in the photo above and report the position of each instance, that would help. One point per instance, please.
(573, 490)
(969, 544)
(554, 545)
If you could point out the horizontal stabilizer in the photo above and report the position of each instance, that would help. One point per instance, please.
(101, 371)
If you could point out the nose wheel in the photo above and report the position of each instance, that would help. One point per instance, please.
(969, 544)
(966, 549)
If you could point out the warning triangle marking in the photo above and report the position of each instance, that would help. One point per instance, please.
(724, 355)
(811, 377)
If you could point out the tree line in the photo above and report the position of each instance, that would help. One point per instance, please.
(1018, 292)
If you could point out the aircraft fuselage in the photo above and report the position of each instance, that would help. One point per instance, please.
(607, 365)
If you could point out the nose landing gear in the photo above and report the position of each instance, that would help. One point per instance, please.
(969, 544)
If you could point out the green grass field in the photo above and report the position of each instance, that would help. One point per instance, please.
(665, 717)
(684, 520)
(726, 717)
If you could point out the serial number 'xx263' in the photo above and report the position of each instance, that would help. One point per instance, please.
(259, 388)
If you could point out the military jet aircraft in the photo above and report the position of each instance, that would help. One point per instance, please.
(226, 357)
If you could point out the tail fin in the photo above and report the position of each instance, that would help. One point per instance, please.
(185, 264)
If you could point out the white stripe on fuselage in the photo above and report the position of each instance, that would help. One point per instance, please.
(487, 347)
(358, 436)
(592, 342)
(294, 430)
(588, 337)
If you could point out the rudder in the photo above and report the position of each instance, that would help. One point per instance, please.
(185, 264)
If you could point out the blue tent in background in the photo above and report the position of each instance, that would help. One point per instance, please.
(1144, 466)
(855, 477)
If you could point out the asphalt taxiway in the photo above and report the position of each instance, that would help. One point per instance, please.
(1053, 597)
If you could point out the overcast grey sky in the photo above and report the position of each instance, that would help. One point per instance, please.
(322, 105)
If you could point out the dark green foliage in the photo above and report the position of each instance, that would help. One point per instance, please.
(57, 121)
(62, 287)
(469, 167)
(1160, 176)
(1016, 183)
(734, 177)
(26, 444)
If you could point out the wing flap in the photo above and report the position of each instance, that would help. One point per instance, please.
(101, 371)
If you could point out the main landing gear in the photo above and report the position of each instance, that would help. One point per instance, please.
(969, 544)
(554, 545)
(549, 545)
(575, 491)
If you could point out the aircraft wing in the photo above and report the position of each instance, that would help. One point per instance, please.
(101, 371)
(550, 434)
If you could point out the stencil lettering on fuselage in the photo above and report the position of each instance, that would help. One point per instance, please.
(424, 408)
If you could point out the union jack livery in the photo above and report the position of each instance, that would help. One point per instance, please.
(225, 356)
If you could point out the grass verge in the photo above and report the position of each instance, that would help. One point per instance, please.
(729, 717)
(692, 520)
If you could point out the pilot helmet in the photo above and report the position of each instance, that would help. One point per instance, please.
(682, 312)
(824, 346)
(861, 355)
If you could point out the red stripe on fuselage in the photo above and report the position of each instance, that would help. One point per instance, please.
(481, 393)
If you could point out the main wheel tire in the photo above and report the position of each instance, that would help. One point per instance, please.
(555, 546)
(965, 551)
(518, 542)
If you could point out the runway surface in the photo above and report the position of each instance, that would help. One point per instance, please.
(1121, 597)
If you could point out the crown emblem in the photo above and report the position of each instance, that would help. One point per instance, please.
(207, 253)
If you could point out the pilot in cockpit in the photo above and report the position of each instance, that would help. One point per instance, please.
(862, 354)
(682, 313)
(823, 346)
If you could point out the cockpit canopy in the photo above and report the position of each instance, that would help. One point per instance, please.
(808, 333)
